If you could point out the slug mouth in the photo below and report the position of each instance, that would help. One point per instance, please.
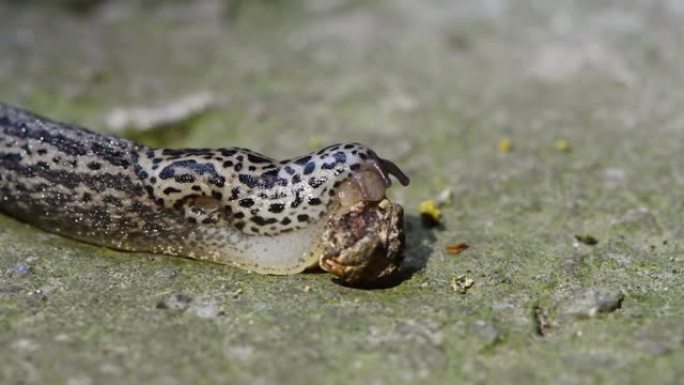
(370, 182)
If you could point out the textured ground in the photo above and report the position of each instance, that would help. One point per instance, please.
(435, 86)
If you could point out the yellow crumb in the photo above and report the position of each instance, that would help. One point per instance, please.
(306, 289)
(505, 145)
(429, 209)
(562, 145)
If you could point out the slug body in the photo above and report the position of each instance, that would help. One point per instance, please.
(228, 205)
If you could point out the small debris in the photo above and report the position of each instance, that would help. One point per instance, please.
(462, 283)
(505, 145)
(562, 145)
(614, 177)
(176, 301)
(591, 302)
(148, 118)
(542, 322)
(237, 293)
(306, 288)
(445, 198)
(457, 248)
(430, 213)
(20, 269)
(587, 239)
(25, 345)
(205, 307)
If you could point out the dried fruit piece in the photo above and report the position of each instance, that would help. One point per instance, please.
(457, 248)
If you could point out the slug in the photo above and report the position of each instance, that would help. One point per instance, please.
(228, 205)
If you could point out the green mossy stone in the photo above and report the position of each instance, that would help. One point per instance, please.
(432, 85)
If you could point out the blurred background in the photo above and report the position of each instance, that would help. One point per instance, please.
(534, 127)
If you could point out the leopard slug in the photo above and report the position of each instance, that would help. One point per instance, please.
(228, 205)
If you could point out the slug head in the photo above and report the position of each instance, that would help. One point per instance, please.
(370, 182)
(364, 239)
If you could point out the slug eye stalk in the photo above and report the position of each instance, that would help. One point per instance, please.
(387, 167)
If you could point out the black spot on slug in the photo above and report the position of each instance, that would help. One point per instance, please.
(261, 221)
(303, 160)
(340, 157)
(316, 182)
(94, 166)
(246, 202)
(276, 208)
(309, 168)
(110, 153)
(171, 190)
(254, 158)
(185, 178)
(297, 201)
(314, 201)
(249, 180)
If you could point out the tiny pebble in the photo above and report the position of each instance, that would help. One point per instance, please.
(462, 283)
(587, 239)
(562, 145)
(176, 301)
(591, 302)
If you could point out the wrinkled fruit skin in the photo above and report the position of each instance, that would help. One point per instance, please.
(364, 244)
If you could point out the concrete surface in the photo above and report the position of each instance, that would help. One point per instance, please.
(589, 94)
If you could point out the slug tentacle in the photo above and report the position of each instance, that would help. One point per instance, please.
(229, 205)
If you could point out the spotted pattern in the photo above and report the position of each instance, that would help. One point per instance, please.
(111, 191)
(259, 195)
